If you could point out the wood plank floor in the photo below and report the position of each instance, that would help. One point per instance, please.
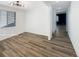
(31, 45)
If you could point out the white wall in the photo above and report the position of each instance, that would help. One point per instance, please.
(73, 25)
(20, 21)
(52, 21)
(4, 2)
(38, 19)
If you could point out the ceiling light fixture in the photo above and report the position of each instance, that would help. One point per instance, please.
(17, 3)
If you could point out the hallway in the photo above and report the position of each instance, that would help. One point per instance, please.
(62, 40)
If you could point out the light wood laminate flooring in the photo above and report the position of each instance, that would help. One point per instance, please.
(32, 45)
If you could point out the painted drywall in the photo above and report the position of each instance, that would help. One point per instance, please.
(52, 21)
(20, 20)
(73, 25)
(4, 2)
(38, 19)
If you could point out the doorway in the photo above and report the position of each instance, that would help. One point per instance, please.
(61, 23)
(61, 19)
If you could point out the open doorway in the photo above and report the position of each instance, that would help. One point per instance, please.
(61, 23)
(61, 19)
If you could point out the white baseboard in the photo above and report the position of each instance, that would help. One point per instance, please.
(72, 43)
(8, 36)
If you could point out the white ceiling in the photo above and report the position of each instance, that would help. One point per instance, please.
(61, 6)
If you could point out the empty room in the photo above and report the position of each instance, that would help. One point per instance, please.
(39, 28)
